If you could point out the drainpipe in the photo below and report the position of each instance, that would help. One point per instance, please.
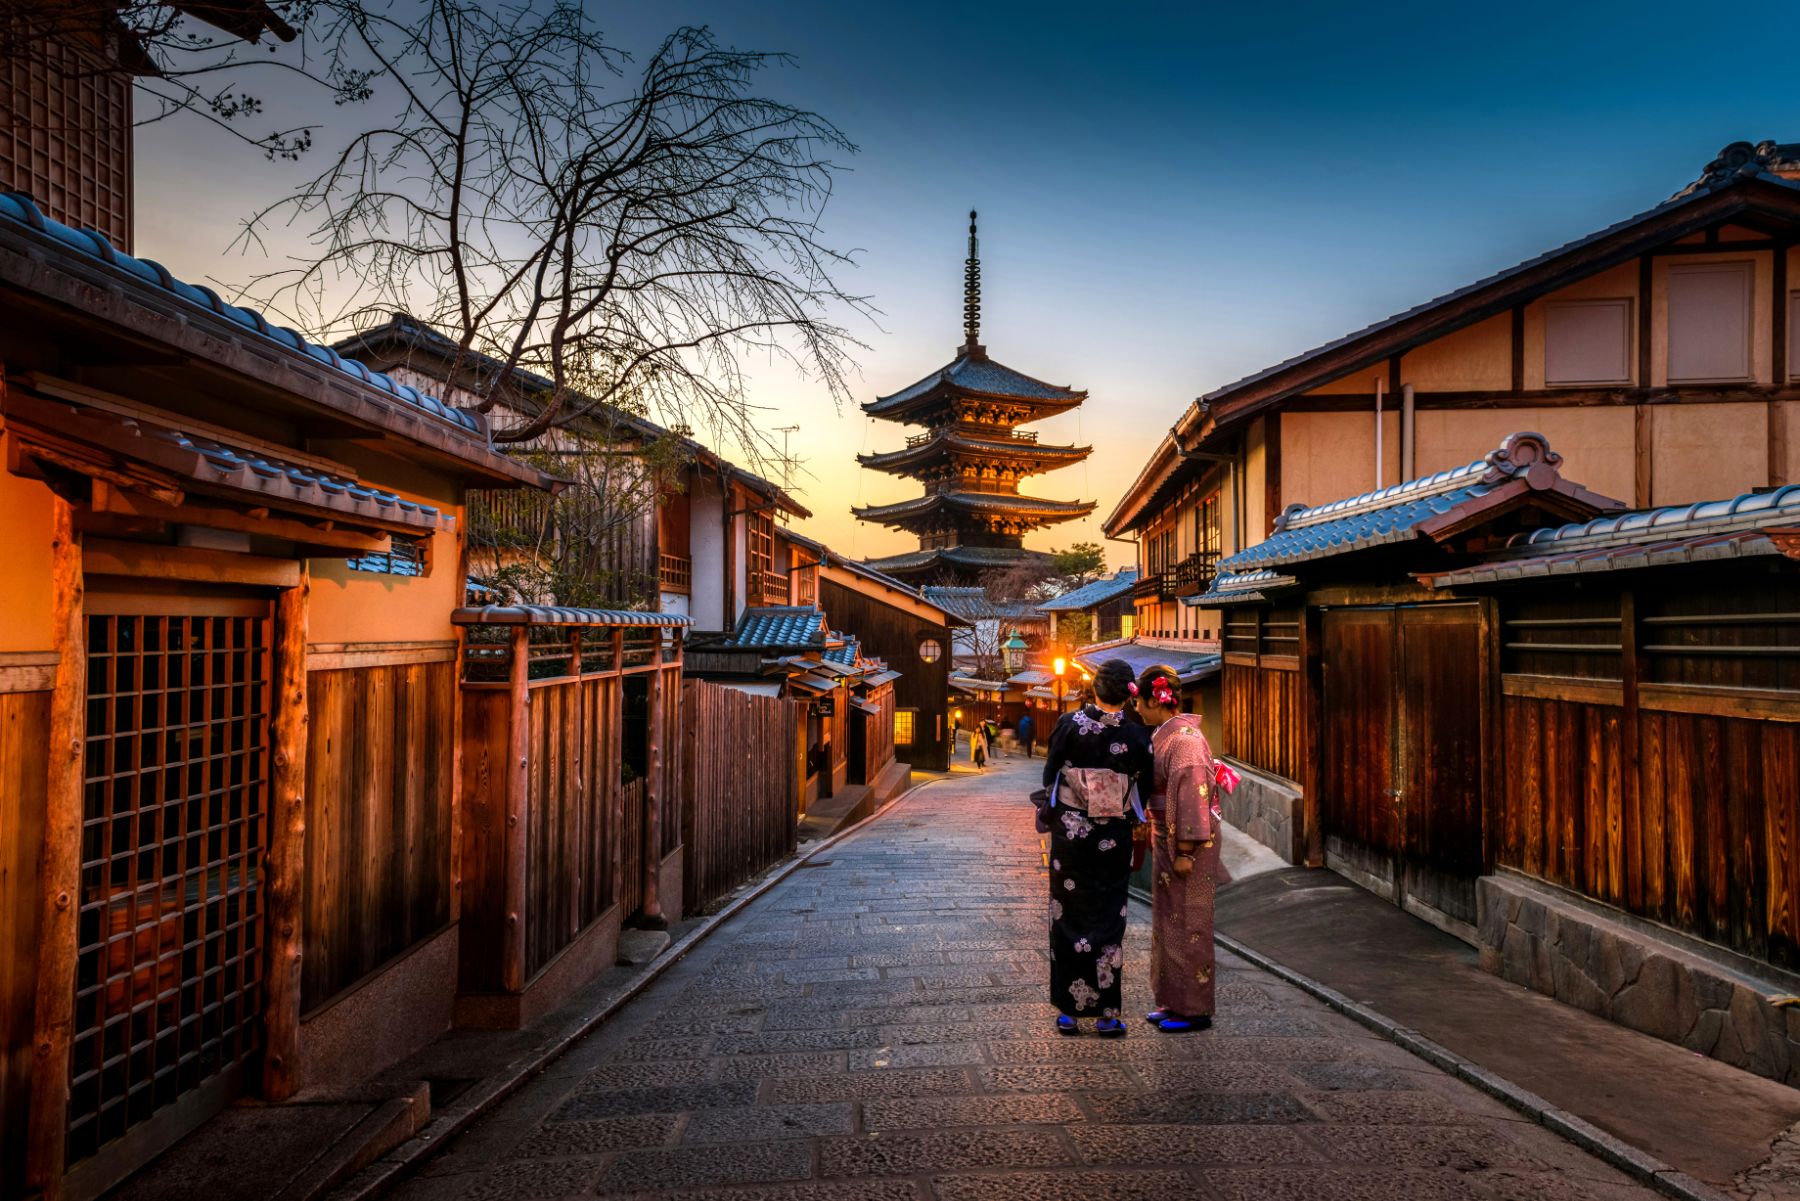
(1408, 447)
(1380, 393)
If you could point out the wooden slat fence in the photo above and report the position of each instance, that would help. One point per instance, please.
(741, 789)
(1261, 721)
(378, 836)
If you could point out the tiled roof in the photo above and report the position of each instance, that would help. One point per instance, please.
(976, 557)
(1189, 664)
(1236, 588)
(1030, 677)
(1096, 593)
(975, 502)
(18, 209)
(950, 441)
(1670, 536)
(559, 615)
(972, 603)
(844, 655)
(977, 373)
(831, 557)
(1395, 514)
(778, 626)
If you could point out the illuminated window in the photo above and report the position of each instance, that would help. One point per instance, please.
(930, 650)
(1127, 625)
(905, 721)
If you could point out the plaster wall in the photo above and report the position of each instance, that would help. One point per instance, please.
(706, 536)
(1475, 359)
(1330, 456)
(25, 513)
(1707, 452)
(1597, 444)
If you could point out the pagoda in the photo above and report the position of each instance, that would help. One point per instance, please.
(971, 457)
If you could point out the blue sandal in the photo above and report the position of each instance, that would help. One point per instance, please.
(1109, 1028)
(1067, 1025)
(1175, 1024)
(1158, 1016)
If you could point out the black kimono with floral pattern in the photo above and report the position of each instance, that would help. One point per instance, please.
(1090, 863)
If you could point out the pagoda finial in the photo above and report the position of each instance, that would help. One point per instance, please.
(972, 291)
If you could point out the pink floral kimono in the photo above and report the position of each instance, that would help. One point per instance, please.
(1183, 810)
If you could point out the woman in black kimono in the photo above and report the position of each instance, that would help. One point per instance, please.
(1090, 856)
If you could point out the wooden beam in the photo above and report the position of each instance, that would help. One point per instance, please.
(653, 791)
(1631, 663)
(340, 656)
(284, 873)
(518, 810)
(1271, 474)
(188, 563)
(59, 864)
(323, 533)
(1644, 446)
(1645, 326)
(28, 671)
(1310, 715)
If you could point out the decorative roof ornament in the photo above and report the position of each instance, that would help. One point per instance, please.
(972, 293)
(1738, 159)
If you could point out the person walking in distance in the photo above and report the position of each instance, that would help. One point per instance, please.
(1025, 732)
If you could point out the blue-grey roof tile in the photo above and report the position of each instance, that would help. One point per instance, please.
(1099, 592)
(774, 626)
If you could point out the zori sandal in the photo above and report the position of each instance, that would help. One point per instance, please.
(1109, 1028)
(1067, 1025)
(1176, 1024)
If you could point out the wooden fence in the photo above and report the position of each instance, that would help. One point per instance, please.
(742, 793)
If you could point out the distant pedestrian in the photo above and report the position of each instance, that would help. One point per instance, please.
(1025, 732)
(978, 746)
(990, 730)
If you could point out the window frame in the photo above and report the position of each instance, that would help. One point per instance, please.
(1627, 354)
(1746, 269)
(911, 722)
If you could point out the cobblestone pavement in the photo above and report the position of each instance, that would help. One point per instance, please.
(875, 1029)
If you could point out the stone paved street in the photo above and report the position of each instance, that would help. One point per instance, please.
(875, 1028)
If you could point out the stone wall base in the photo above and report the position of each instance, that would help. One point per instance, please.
(1267, 808)
(1620, 968)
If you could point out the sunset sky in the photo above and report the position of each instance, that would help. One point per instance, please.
(1171, 196)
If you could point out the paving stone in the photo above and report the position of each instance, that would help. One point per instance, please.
(1058, 1077)
(1268, 1184)
(678, 1098)
(860, 1190)
(756, 1123)
(936, 1113)
(902, 1154)
(1230, 1075)
(873, 1085)
(685, 1167)
(1378, 1108)
(965, 1032)
(1064, 1186)
(648, 1075)
(1334, 1076)
(945, 1055)
(1200, 1107)
(801, 1063)
(776, 1042)
(1187, 1144)
(1463, 1148)
(665, 1048)
(555, 1140)
(534, 1180)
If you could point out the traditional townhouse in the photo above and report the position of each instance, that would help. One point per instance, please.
(1658, 353)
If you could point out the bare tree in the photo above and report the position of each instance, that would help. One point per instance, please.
(629, 234)
(206, 58)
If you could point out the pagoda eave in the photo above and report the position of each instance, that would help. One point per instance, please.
(1027, 458)
(961, 561)
(945, 397)
(977, 504)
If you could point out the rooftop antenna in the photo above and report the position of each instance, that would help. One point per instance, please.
(787, 461)
(972, 293)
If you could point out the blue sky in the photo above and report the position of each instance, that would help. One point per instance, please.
(1172, 196)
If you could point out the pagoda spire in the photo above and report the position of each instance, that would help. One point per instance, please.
(972, 293)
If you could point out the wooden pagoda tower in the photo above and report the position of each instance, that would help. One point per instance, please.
(971, 457)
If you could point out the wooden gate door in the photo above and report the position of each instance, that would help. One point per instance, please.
(1356, 803)
(1442, 685)
(1403, 762)
(169, 968)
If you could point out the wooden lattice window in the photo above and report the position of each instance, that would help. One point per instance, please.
(65, 137)
(169, 971)
(905, 726)
(762, 545)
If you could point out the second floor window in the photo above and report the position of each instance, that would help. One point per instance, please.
(762, 546)
(1206, 527)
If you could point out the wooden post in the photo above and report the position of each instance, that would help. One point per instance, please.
(60, 865)
(518, 779)
(653, 791)
(1312, 736)
(284, 874)
(610, 760)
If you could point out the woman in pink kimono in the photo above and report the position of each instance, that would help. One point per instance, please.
(1185, 865)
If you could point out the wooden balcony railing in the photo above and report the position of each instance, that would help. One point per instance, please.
(774, 588)
(676, 573)
(1148, 587)
(1194, 574)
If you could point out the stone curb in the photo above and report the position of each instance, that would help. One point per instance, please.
(387, 1173)
(1631, 1160)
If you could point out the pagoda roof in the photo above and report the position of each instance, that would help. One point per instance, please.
(960, 559)
(975, 375)
(947, 442)
(1007, 503)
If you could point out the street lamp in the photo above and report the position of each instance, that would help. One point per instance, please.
(1059, 665)
(1012, 653)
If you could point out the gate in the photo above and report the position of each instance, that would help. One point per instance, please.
(1402, 778)
(169, 972)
